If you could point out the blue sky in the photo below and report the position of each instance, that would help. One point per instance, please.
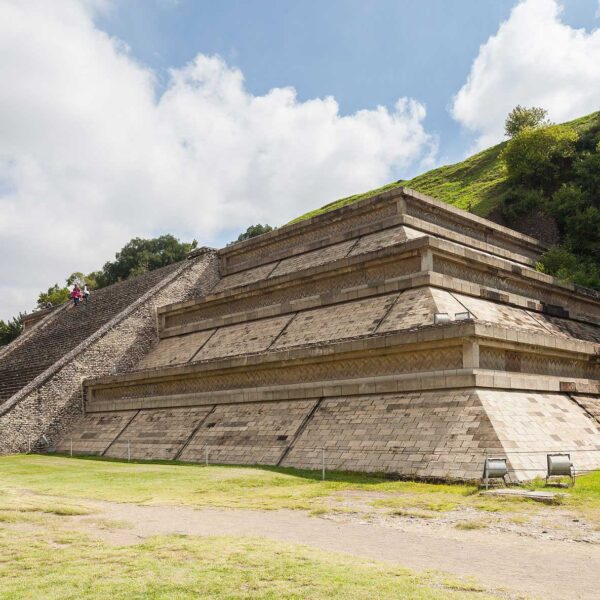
(135, 118)
(364, 53)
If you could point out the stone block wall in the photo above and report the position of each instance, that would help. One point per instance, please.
(251, 433)
(159, 434)
(443, 434)
(417, 434)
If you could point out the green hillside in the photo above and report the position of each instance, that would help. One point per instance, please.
(478, 183)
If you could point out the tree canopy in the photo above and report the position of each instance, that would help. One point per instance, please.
(141, 255)
(11, 329)
(521, 118)
(253, 231)
(553, 170)
(55, 295)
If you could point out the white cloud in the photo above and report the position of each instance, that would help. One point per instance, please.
(91, 154)
(533, 59)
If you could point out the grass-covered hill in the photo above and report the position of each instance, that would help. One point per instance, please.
(478, 183)
(548, 176)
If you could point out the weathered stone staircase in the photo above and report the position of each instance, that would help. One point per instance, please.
(66, 327)
(41, 371)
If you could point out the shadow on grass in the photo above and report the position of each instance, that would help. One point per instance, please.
(351, 477)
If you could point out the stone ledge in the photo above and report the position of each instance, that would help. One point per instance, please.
(433, 337)
(440, 248)
(392, 384)
(370, 204)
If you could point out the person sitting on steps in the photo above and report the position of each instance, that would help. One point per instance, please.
(76, 295)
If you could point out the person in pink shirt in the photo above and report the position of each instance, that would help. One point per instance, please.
(76, 295)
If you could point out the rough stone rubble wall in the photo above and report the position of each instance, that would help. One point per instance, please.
(48, 408)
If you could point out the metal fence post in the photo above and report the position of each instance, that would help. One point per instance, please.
(323, 463)
(128, 451)
(485, 471)
(29, 444)
(206, 455)
(71, 447)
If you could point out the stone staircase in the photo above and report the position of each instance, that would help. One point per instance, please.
(63, 330)
(41, 372)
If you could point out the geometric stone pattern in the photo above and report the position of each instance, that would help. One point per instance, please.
(515, 285)
(385, 238)
(492, 312)
(497, 359)
(420, 434)
(333, 283)
(244, 277)
(295, 243)
(256, 433)
(243, 338)
(413, 308)
(313, 259)
(174, 351)
(530, 425)
(353, 247)
(591, 405)
(158, 434)
(416, 308)
(568, 328)
(336, 322)
(94, 432)
(365, 366)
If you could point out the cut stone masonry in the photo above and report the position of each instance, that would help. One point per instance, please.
(321, 339)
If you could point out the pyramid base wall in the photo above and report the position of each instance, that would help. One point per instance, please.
(436, 434)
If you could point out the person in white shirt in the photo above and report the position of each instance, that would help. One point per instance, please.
(86, 293)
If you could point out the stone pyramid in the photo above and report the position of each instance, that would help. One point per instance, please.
(396, 335)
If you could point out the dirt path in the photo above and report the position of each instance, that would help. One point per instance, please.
(529, 566)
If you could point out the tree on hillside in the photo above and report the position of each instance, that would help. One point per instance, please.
(555, 171)
(587, 174)
(541, 158)
(521, 117)
(141, 255)
(11, 329)
(253, 231)
(55, 294)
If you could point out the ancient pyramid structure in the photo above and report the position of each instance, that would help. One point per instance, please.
(396, 335)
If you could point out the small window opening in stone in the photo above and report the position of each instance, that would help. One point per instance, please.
(281, 438)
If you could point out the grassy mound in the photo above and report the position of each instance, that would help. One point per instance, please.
(478, 183)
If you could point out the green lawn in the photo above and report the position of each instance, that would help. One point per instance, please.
(259, 488)
(219, 486)
(55, 562)
(477, 184)
(43, 554)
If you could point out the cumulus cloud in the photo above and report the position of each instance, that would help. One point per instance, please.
(94, 152)
(533, 59)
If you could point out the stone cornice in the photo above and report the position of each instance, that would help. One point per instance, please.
(400, 196)
(390, 384)
(474, 261)
(431, 337)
